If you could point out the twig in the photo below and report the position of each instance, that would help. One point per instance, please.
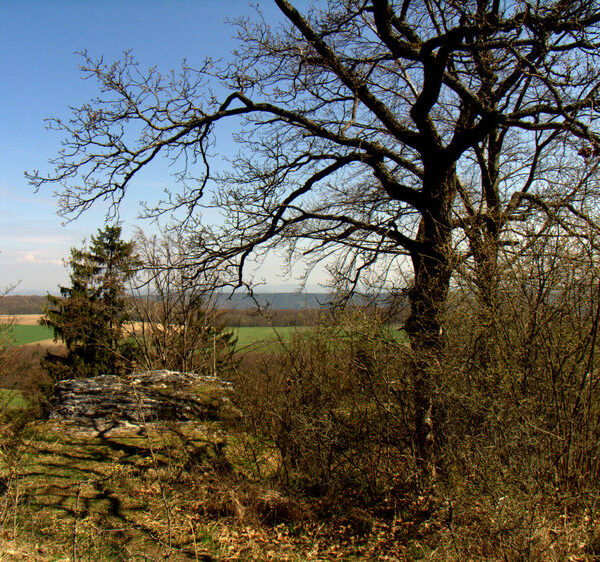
(14, 529)
(76, 513)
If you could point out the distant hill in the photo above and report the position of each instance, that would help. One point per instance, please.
(22, 304)
(279, 301)
(34, 304)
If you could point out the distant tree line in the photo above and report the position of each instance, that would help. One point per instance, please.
(22, 304)
(249, 315)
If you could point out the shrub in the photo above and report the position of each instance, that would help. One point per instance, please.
(333, 406)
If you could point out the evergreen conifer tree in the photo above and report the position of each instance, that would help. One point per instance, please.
(89, 315)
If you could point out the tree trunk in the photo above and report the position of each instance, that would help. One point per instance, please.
(484, 240)
(485, 252)
(428, 296)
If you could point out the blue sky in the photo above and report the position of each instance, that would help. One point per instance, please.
(40, 78)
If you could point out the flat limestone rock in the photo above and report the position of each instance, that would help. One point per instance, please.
(141, 397)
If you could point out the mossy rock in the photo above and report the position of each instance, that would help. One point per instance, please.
(148, 396)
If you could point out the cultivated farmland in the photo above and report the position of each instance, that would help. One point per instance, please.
(26, 330)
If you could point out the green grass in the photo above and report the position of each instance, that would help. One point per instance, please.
(12, 400)
(267, 336)
(246, 336)
(30, 334)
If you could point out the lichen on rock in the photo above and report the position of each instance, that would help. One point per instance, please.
(142, 397)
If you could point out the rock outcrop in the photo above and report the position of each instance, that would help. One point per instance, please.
(141, 397)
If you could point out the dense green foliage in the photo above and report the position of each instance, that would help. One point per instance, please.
(89, 315)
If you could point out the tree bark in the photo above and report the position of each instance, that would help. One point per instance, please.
(428, 296)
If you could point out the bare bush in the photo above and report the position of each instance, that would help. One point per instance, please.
(331, 406)
(532, 404)
(177, 327)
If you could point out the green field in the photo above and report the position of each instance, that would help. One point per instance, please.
(246, 336)
(249, 335)
(30, 334)
(267, 336)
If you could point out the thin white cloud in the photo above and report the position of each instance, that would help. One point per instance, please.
(20, 194)
(33, 258)
(46, 240)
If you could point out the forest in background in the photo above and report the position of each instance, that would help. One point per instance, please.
(276, 309)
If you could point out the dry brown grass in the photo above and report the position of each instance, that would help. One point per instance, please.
(165, 492)
(23, 319)
(216, 491)
(168, 492)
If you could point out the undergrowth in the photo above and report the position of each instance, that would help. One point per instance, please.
(315, 460)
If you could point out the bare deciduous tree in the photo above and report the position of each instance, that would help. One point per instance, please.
(177, 325)
(359, 127)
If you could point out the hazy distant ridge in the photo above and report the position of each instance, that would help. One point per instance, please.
(34, 304)
(280, 301)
